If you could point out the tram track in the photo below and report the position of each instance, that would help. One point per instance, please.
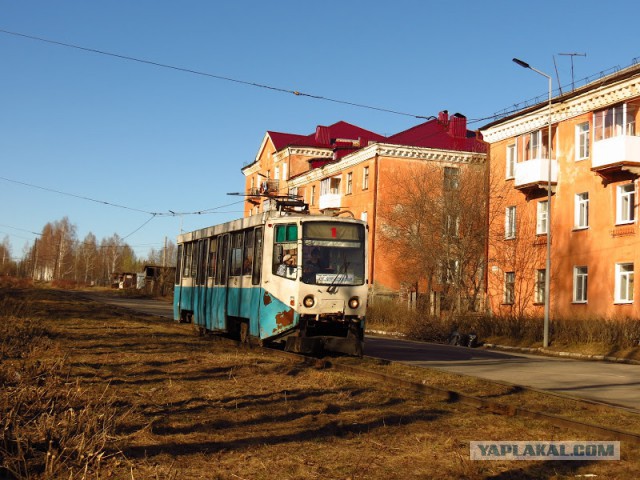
(454, 397)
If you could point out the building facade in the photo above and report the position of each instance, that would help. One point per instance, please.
(346, 170)
(593, 155)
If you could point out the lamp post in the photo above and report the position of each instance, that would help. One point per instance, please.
(547, 276)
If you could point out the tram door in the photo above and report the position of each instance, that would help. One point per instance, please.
(219, 304)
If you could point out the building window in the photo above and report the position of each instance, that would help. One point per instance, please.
(284, 171)
(580, 284)
(542, 224)
(581, 214)
(540, 281)
(510, 222)
(509, 287)
(365, 178)
(625, 203)
(451, 178)
(511, 161)
(330, 186)
(452, 226)
(313, 195)
(363, 216)
(349, 183)
(614, 121)
(277, 173)
(624, 283)
(582, 141)
(536, 144)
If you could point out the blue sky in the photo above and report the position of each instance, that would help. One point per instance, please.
(159, 140)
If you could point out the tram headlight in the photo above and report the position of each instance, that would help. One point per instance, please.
(309, 301)
(354, 302)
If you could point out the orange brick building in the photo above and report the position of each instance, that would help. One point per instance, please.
(594, 152)
(345, 169)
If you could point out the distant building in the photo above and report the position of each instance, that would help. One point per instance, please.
(594, 152)
(343, 168)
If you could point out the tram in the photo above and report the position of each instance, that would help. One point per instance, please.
(295, 279)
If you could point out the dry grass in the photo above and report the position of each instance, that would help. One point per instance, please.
(180, 406)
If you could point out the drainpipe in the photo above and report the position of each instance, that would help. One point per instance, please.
(374, 223)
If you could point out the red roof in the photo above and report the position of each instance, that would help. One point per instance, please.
(446, 133)
(339, 130)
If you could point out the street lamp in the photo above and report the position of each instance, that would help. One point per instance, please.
(547, 276)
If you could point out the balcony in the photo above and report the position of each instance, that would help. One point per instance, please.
(616, 157)
(329, 200)
(532, 175)
(266, 188)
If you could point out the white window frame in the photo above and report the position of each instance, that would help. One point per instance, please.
(509, 288)
(614, 121)
(582, 141)
(285, 167)
(624, 282)
(365, 178)
(510, 222)
(349, 186)
(312, 200)
(276, 172)
(542, 217)
(540, 285)
(581, 212)
(512, 159)
(625, 203)
(580, 284)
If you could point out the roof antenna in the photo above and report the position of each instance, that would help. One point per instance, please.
(573, 85)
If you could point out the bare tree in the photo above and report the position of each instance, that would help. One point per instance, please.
(436, 230)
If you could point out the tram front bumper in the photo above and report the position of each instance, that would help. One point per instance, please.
(315, 345)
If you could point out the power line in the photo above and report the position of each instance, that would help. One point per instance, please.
(212, 75)
(168, 213)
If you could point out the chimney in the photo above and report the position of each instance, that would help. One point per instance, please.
(323, 136)
(458, 127)
(443, 117)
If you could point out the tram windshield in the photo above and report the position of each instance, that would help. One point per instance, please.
(333, 253)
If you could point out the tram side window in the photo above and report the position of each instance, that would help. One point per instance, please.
(257, 264)
(285, 251)
(203, 246)
(213, 247)
(236, 254)
(247, 263)
(179, 265)
(188, 247)
(221, 274)
(194, 259)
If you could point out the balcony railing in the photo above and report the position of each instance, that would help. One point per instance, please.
(329, 200)
(266, 187)
(616, 151)
(535, 173)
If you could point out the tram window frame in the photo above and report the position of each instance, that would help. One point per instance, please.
(285, 243)
(236, 254)
(248, 253)
(179, 265)
(186, 268)
(221, 273)
(212, 258)
(257, 256)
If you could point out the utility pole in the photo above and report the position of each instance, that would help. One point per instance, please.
(164, 252)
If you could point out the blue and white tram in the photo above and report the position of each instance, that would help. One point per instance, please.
(297, 279)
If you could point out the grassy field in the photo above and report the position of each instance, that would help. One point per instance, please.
(93, 391)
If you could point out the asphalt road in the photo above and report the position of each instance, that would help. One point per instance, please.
(613, 383)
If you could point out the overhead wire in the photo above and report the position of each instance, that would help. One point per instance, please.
(211, 75)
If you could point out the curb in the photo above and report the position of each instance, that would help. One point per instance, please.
(551, 353)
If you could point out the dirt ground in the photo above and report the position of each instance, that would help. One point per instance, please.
(187, 407)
